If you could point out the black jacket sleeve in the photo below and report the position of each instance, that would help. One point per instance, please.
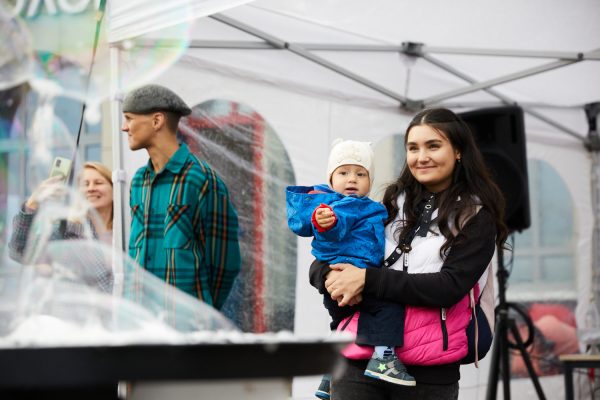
(464, 265)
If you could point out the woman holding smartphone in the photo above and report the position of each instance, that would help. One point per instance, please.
(95, 184)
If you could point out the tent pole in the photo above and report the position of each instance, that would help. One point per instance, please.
(500, 96)
(272, 40)
(348, 74)
(388, 48)
(414, 49)
(280, 44)
(553, 123)
(497, 81)
(562, 55)
(588, 332)
(117, 156)
(119, 175)
(591, 325)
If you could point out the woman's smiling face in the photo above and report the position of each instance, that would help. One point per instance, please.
(430, 157)
(96, 189)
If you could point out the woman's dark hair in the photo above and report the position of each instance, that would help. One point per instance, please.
(471, 184)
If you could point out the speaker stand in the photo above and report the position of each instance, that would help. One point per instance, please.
(500, 350)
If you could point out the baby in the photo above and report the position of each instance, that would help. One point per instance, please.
(348, 227)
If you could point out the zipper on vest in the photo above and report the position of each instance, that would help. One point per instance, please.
(444, 330)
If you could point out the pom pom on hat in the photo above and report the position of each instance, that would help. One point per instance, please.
(350, 152)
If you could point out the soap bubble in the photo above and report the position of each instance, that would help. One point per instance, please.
(81, 291)
(71, 49)
(15, 51)
(247, 153)
(47, 136)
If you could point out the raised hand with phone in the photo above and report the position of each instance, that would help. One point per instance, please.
(52, 188)
(61, 167)
(95, 184)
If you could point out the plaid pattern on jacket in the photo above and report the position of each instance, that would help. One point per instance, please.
(184, 228)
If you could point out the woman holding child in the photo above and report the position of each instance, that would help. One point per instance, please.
(445, 220)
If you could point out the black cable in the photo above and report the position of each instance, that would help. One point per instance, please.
(508, 267)
(62, 228)
(522, 312)
(99, 18)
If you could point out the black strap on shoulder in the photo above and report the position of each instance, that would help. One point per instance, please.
(421, 228)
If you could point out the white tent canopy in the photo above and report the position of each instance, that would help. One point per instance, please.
(516, 51)
(316, 70)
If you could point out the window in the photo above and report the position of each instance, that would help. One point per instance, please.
(544, 254)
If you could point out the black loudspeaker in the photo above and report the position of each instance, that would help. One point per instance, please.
(500, 135)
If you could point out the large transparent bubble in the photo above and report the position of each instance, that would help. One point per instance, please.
(68, 294)
(15, 50)
(76, 290)
(248, 155)
(36, 136)
(72, 288)
(70, 48)
(10, 166)
(144, 58)
(45, 64)
(46, 135)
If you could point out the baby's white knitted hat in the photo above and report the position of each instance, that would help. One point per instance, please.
(350, 152)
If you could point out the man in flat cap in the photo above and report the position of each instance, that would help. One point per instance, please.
(184, 228)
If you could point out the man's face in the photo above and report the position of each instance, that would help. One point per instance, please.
(140, 130)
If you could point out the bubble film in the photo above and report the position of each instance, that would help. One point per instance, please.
(15, 50)
(69, 47)
(248, 155)
(80, 292)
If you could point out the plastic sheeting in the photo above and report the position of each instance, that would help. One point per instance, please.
(249, 156)
(66, 289)
(15, 51)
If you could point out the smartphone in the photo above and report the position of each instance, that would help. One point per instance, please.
(60, 166)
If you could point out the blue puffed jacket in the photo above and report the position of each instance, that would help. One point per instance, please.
(358, 236)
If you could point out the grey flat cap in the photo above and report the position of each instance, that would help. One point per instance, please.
(151, 98)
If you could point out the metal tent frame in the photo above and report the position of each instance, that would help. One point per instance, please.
(560, 59)
(306, 51)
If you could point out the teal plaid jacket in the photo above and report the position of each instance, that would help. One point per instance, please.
(184, 228)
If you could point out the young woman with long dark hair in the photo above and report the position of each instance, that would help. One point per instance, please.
(445, 220)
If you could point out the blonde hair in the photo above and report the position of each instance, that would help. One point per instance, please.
(106, 174)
